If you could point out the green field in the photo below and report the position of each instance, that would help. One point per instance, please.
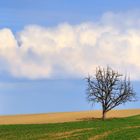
(111, 129)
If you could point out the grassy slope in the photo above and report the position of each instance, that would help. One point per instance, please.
(112, 129)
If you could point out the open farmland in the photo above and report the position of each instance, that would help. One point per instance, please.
(64, 117)
(110, 129)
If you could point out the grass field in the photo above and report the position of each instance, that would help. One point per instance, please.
(111, 129)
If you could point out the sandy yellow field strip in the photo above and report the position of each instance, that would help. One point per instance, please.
(64, 117)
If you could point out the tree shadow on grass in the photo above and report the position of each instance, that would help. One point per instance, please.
(96, 119)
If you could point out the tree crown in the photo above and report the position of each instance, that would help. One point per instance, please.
(109, 88)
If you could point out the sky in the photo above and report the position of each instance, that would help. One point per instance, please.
(47, 47)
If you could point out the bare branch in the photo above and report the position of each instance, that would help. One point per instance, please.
(109, 88)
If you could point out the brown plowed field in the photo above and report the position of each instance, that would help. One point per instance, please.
(64, 117)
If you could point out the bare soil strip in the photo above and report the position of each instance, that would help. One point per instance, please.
(105, 134)
(64, 117)
(97, 137)
(69, 133)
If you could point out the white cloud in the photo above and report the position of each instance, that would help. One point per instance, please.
(73, 50)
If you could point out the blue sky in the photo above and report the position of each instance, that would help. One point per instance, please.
(16, 14)
(32, 82)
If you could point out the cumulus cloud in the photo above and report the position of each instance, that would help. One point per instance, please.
(73, 50)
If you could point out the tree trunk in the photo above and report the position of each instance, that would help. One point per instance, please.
(104, 115)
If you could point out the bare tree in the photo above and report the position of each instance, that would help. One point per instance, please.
(109, 88)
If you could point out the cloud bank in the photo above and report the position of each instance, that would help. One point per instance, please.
(68, 50)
